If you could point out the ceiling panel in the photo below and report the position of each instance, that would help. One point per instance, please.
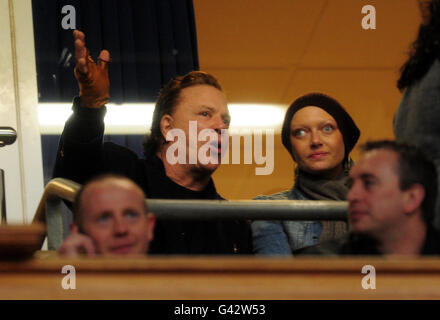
(254, 32)
(340, 40)
(259, 85)
(256, 47)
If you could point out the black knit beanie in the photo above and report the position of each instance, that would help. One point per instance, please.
(349, 130)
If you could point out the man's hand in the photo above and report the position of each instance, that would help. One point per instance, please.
(76, 244)
(92, 78)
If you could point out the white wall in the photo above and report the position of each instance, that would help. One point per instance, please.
(18, 109)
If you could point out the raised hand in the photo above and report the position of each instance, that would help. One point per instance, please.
(92, 78)
(76, 244)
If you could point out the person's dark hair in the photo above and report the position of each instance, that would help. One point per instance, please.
(76, 206)
(168, 99)
(413, 168)
(426, 48)
(346, 125)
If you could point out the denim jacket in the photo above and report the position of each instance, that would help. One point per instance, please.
(272, 237)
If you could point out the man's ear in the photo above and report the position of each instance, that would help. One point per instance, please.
(151, 221)
(413, 198)
(166, 124)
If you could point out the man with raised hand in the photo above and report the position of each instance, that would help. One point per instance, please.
(194, 97)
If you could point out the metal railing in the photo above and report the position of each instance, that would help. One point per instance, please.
(8, 136)
(2, 197)
(49, 210)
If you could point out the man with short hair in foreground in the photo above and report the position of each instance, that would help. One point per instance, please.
(110, 217)
(391, 204)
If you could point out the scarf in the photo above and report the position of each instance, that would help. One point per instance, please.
(318, 188)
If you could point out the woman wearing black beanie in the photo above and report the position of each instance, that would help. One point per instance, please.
(319, 134)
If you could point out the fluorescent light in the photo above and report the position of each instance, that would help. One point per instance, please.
(135, 118)
(256, 116)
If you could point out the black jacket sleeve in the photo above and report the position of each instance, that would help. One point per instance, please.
(82, 153)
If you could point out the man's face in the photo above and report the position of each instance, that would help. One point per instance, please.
(376, 203)
(113, 215)
(206, 105)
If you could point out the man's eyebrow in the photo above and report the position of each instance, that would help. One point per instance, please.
(366, 176)
(103, 213)
(363, 176)
(204, 106)
(226, 116)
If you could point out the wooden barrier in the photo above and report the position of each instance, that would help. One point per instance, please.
(220, 278)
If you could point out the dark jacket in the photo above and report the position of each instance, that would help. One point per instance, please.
(82, 155)
(416, 121)
(355, 244)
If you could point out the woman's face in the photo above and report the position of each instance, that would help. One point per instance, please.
(316, 141)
